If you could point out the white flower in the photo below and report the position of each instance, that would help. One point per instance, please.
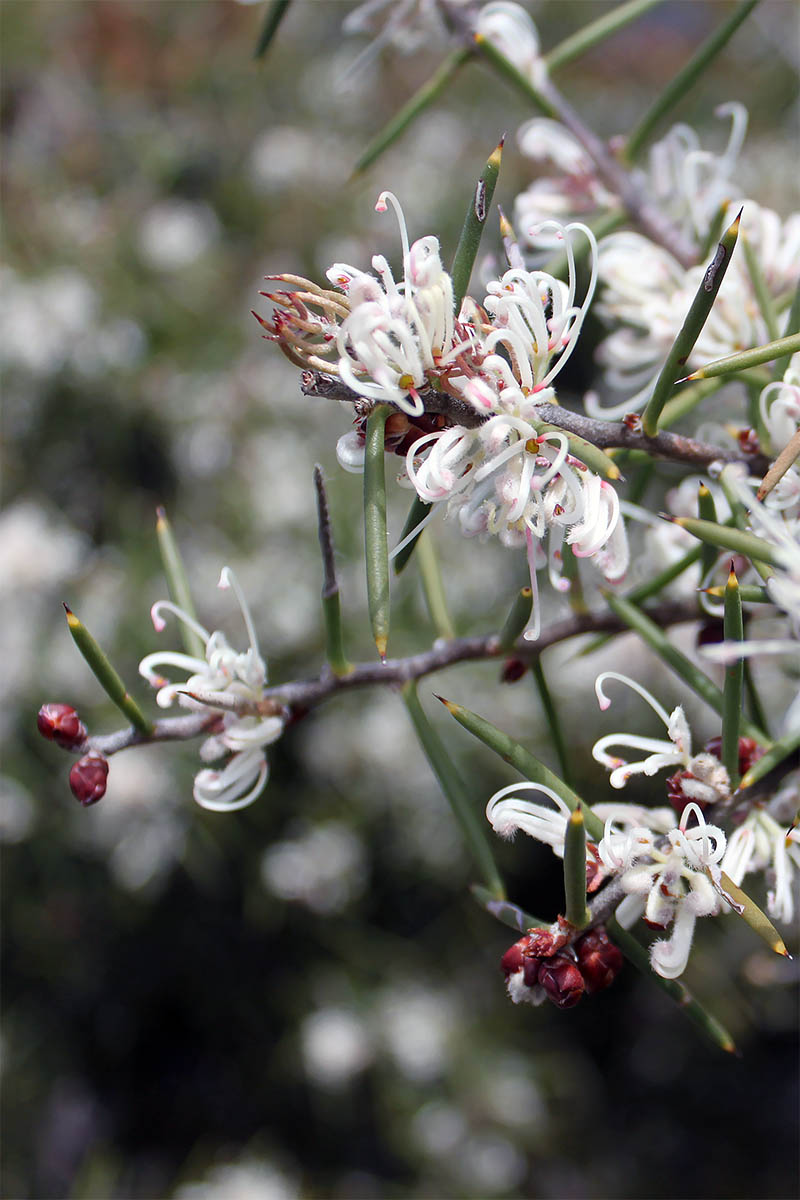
(691, 186)
(231, 683)
(703, 776)
(648, 293)
(673, 883)
(507, 813)
(396, 333)
(510, 29)
(763, 843)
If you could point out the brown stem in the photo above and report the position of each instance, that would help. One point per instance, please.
(607, 435)
(298, 696)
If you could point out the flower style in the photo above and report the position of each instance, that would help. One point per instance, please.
(669, 881)
(702, 777)
(232, 684)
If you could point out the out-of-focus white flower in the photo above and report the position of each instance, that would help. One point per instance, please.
(703, 777)
(324, 869)
(175, 233)
(673, 884)
(335, 1045)
(510, 29)
(231, 683)
(690, 185)
(246, 1179)
(647, 294)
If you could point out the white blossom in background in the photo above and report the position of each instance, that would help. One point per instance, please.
(231, 684)
(690, 185)
(647, 293)
(335, 1045)
(247, 1178)
(324, 869)
(510, 29)
(173, 234)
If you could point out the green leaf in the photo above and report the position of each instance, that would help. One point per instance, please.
(508, 914)
(747, 358)
(331, 608)
(733, 686)
(657, 640)
(576, 910)
(516, 620)
(738, 540)
(749, 911)
(773, 757)
(636, 954)
(474, 223)
(552, 718)
(275, 14)
(375, 538)
(433, 586)
(523, 761)
(422, 99)
(106, 675)
(685, 79)
(691, 329)
(455, 790)
(178, 583)
(596, 31)
(416, 515)
(510, 73)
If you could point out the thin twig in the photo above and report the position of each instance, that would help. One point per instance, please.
(298, 696)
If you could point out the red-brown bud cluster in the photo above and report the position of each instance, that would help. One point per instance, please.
(542, 960)
(749, 752)
(61, 724)
(87, 778)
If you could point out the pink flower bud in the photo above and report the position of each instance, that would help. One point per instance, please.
(88, 778)
(600, 961)
(561, 981)
(61, 724)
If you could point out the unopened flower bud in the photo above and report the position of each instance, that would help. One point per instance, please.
(513, 670)
(561, 980)
(600, 961)
(61, 724)
(749, 751)
(87, 778)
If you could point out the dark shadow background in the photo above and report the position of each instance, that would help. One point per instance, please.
(300, 1000)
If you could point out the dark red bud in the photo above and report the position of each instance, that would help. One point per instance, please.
(513, 670)
(710, 632)
(61, 724)
(600, 961)
(88, 778)
(748, 441)
(749, 752)
(513, 960)
(561, 980)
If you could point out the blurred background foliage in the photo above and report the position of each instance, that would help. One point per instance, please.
(301, 1000)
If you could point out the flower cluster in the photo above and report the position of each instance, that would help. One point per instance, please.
(671, 872)
(230, 684)
(500, 473)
